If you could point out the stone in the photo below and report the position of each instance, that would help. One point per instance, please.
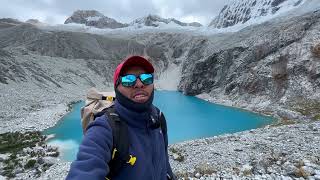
(40, 160)
(285, 177)
(317, 177)
(49, 160)
(314, 166)
(289, 168)
(197, 175)
(310, 178)
(309, 170)
(246, 169)
(177, 157)
(304, 171)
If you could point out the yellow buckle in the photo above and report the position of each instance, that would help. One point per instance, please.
(132, 160)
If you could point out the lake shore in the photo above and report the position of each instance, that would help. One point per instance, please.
(280, 152)
(208, 149)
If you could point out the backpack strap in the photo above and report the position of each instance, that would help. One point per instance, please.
(163, 126)
(120, 153)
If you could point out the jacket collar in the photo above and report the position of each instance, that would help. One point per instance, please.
(141, 120)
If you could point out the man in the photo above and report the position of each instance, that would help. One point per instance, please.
(134, 88)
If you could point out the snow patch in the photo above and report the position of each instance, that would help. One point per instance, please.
(95, 18)
(64, 145)
(170, 78)
(67, 148)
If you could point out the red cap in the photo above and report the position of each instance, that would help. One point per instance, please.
(132, 61)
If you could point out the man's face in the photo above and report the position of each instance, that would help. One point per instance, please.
(139, 93)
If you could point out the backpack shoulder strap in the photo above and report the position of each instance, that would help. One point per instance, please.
(163, 125)
(120, 152)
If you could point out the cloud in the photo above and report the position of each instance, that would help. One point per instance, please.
(56, 11)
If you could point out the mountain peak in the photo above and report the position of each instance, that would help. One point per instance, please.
(240, 12)
(93, 18)
(156, 21)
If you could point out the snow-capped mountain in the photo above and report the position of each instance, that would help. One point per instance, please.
(93, 18)
(157, 21)
(98, 20)
(240, 12)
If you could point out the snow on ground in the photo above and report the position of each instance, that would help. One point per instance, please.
(95, 18)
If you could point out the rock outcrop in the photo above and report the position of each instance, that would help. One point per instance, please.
(271, 63)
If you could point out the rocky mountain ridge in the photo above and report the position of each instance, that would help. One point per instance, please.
(98, 20)
(154, 20)
(240, 12)
(93, 18)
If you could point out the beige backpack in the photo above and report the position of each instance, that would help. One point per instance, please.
(95, 103)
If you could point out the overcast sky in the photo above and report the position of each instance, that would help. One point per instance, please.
(125, 11)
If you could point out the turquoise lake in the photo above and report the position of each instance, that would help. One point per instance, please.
(187, 117)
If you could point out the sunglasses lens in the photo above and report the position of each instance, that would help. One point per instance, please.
(146, 78)
(128, 80)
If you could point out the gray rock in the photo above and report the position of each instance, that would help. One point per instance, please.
(177, 157)
(308, 170)
(18, 171)
(289, 168)
(49, 160)
(197, 175)
(246, 169)
(311, 178)
(285, 177)
(40, 160)
(317, 177)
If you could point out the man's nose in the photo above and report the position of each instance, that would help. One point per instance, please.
(138, 84)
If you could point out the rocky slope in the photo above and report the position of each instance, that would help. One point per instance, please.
(49, 69)
(269, 65)
(93, 18)
(288, 152)
(270, 68)
(25, 153)
(239, 12)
